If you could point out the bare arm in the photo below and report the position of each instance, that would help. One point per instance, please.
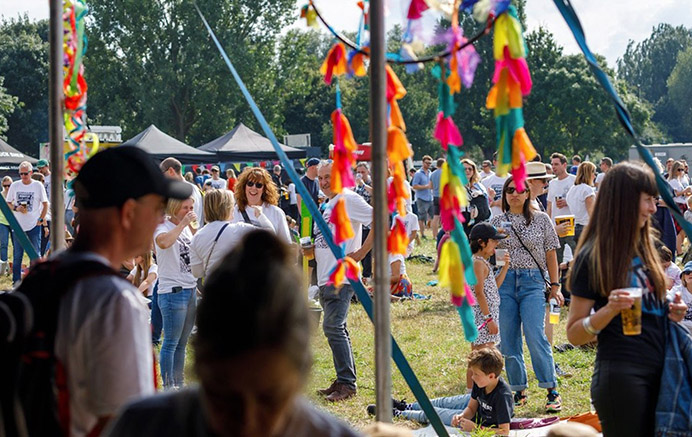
(589, 202)
(144, 286)
(500, 278)
(549, 209)
(396, 272)
(553, 273)
(367, 245)
(167, 239)
(481, 272)
(580, 308)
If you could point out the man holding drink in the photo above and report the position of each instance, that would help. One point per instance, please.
(557, 205)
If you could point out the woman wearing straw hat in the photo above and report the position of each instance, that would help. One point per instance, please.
(538, 178)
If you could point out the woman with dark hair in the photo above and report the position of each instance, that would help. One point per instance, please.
(252, 356)
(479, 206)
(255, 188)
(617, 251)
(531, 241)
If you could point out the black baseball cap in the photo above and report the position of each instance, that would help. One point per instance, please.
(311, 162)
(119, 173)
(485, 231)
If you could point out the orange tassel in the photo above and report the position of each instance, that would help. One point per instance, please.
(395, 90)
(398, 148)
(342, 223)
(335, 64)
(395, 117)
(397, 242)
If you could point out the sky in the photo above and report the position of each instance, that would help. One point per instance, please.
(608, 24)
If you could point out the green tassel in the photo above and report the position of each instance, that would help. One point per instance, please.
(468, 322)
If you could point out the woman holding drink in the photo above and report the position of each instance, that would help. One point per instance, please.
(617, 273)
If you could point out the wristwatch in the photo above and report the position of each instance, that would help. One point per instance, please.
(487, 316)
(557, 284)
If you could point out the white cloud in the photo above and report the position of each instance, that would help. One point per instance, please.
(609, 24)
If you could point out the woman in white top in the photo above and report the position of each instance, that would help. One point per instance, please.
(177, 287)
(581, 197)
(219, 236)
(255, 188)
(676, 182)
(144, 274)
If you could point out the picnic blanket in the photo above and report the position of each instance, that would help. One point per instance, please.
(534, 432)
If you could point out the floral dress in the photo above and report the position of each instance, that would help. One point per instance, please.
(492, 297)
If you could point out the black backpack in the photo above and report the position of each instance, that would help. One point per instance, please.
(30, 379)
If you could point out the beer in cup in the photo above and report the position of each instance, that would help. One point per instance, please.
(554, 312)
(632, 317)
(308, 248)
(500, 257)
(569, 232)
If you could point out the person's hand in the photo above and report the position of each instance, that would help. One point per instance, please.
(22, 209)
(677, 309)
(556, 294)
(257, 209)
(356, 256)
(491, 193)
(456, 420)
(466, 424)
(561, 229)
(189, 218)
(619, 300)
(561, 203)
(507, 259)
(492, 328)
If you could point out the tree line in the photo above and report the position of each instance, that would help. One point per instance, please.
(152, 62)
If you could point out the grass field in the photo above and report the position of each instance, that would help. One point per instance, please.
(430, 335)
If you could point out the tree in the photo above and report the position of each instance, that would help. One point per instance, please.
(152, 61)
(680, 91)
(7, 107)
(24, 65)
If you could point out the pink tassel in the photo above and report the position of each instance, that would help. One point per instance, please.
(447, 132)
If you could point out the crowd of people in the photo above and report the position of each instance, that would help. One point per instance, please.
(197, 252)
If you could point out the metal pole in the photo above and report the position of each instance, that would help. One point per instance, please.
(55, 126)
(378, 135)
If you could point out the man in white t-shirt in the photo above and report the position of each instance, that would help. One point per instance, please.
(336, 301)
(606, 164)
(495, 183)
(486, 170)
(27, 198)
(216, 180)
(173, 169)
(557, 193)
(103, 337)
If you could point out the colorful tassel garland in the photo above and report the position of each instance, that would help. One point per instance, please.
(397, 242)
(342, 223)
(335, 64)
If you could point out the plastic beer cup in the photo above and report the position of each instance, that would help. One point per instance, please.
(500, 257)
(308, 248)
(569, 232)
(554, 312)
(632, 317)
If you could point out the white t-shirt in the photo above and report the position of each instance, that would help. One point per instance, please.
(34, 194)
(576, 200)
(275, 215)
(104, 341)
(219, 184)
(198, 205)
(174, 262)
(203, 243)
(153, 268)
(673, 272)
(599, 178)
(411, 223)
(360, 214)
(676, 184)
(496, 183)
(557, 188)
(292, 194)
(486, 175)
(393, 259)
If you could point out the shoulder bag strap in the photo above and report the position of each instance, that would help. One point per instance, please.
(530, 253)
(206, 264)
(246, 217)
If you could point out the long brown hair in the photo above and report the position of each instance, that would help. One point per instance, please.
(142, 270)
(674, 170)
(613, 236)
(526, 209)
(585, 173)
(475, 177)
(255, 174)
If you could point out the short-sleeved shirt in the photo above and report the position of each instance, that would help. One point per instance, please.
(647, 348)
(496, 183)
(275, 215)
(181, 414)
(576, 200)
(539, 237)
(174, 262)
(422, 178)
(435, 178)
(313, 188)
(559, 188)
(360, 214)
(153, 268)
(34, 194)
(677, 185)
(219, 183)
(495, 407)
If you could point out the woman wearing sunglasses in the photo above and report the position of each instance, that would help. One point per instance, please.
(531, 241)
(479, 206)
(255, 188)
(5, 230)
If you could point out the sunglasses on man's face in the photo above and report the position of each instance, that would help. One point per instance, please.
(23, 174)
(255, 184)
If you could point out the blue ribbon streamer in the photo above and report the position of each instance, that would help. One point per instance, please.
(18, 231)
(366, 302)
(664, 189)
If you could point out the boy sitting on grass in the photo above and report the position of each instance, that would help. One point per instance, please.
(489, 405)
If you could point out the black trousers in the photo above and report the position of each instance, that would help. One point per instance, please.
(625, 396)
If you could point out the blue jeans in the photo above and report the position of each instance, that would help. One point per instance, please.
(34, 235)
(335, 304)
(446, 408)
(156, 321)
(5, 232)
(178, 313)
(522, 306)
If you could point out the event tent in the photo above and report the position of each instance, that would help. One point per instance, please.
(10, 158)
(161, 146)
(244, 144)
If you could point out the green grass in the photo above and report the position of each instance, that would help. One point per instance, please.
(430, 335)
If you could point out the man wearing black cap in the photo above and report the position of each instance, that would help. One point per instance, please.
(103, 338)
(310, 179)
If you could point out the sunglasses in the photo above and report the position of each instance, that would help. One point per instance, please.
(214, 171)
(512, 190)
(680, 169)
(468, 169)
(23, 174)
(6, 186)
(255, 184)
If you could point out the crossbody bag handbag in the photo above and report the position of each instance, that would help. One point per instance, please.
(547, 282)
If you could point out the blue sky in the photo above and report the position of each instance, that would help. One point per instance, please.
(609, 24)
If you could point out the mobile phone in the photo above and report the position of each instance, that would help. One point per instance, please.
(177, 289)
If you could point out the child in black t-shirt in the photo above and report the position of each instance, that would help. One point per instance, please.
(491, 404)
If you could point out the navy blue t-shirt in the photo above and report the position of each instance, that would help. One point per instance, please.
(495, 407)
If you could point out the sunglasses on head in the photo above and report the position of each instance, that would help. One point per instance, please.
(23, 173)
(512, 190)
(255, 184)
